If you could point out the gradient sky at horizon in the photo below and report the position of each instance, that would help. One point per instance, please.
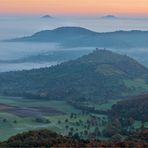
(75, 7)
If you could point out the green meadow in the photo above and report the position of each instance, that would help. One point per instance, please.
(18, 115)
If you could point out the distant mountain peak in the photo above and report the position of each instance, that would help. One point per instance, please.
(73, 29)
(109, 17)
(47, 16)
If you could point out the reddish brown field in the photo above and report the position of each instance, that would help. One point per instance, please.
(30, 112)
(4, 107)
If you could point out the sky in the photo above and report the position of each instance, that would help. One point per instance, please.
(75, 7)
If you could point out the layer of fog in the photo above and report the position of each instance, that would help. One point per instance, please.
(14, 50)
(12, 27)
(24, 66)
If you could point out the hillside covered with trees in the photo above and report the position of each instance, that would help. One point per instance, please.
(101, 74)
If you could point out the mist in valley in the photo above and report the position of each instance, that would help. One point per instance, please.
(19, 26)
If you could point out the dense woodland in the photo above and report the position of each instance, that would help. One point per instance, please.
(136, 108)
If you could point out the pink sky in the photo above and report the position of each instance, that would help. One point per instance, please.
(75, 7)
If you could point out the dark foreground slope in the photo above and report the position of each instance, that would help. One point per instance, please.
(100, 75)
(45, 138)
(81, 37)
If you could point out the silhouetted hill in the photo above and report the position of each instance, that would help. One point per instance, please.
(47, 16)
(81, 37)
(101, 74)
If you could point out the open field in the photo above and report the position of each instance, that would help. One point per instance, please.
(18, 115)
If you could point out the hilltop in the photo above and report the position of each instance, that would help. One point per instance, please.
(101, 74)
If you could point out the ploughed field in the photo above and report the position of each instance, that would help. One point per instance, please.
(29, 112)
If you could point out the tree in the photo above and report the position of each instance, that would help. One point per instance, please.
(85, 132)
(66, 127)
(59, 121)
(4, 120)
(77, 123)
(70, 134)
(117, 123)
(15, 121)
(131, 121)
(71, 129)
(142, 125)
(71, 115)
(48, 121)
(81, 133)
(76, 136)
(97, 132)
(66, 120)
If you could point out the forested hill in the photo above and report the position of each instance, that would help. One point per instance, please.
(81, 37)
(101, 74)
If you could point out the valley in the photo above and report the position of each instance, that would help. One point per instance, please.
(16, 121)
(60, 117)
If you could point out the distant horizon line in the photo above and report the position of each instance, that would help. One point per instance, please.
(75, 16)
